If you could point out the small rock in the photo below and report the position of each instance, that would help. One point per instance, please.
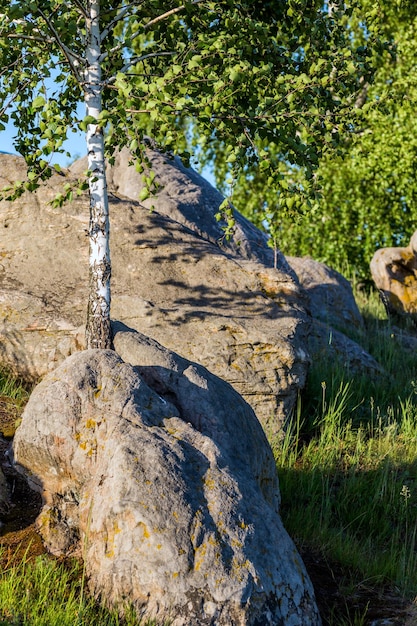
(394, 271)
(335, 317)
(330, 296)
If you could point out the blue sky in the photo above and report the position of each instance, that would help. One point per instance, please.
(75, 145)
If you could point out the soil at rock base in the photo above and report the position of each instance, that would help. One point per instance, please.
(338, 599)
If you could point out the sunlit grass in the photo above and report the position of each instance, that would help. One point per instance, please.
(348, 464)
(13, 388)
(13, 396)
(44, 592)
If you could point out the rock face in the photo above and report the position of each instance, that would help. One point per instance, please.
(335, 316)
(186, 197)
(394, 271)
(167, 488)
(191, 201)
(222, 305)
(330, 297)
(327, 344)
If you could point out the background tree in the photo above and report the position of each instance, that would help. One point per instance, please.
(269, 83)
(367, 178)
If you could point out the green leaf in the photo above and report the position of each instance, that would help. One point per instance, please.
(144, 194)
(38, 103)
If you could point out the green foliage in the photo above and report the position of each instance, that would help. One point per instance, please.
(255, 85)
(305, 111)
(362, 195)
(265, 86)
(29, 55)
(369, 184)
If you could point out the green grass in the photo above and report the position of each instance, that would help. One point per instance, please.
(11, 387)
(13, 397)
(44, 592)
(348, 464)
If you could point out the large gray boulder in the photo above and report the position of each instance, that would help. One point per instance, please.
(186, 197)
(222, 305)
(167, 488)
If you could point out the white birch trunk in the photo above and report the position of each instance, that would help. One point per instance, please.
(98, 330)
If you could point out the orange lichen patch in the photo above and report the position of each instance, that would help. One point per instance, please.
(145, 530)
(274, 288)
(110, 539)
(199, 556)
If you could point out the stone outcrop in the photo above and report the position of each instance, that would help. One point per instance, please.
(336, 318)
(167, 488)
(186, 197)
(394, 271)
(330, 297)
(326, 344)
(220, 304)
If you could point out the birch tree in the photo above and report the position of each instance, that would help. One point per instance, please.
(261, 79)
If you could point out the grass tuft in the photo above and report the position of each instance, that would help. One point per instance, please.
(13, 396)
(45, 592)
(348, 463)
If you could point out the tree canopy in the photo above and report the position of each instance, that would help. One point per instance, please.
(267, 87)
(369, 189)
(249, 75)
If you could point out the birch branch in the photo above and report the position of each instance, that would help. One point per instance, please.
(73, 59)
(169, 13)
(134, 60)
(79, 5)
(148, 25)
(123, 11)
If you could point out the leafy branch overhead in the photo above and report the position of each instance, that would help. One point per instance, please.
(366, 173)
(269, 82)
